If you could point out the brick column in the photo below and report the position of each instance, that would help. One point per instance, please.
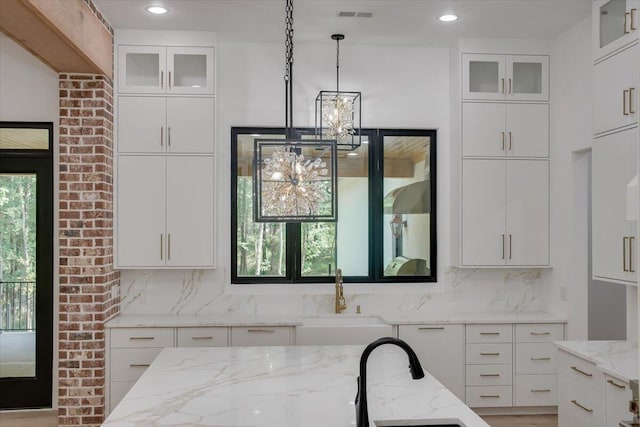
(88, 282)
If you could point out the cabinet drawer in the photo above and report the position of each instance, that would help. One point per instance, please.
(580, 370)
(489, 375)
(203, 337)
(260, 335)
(117, 391)
(617, 397)
(489, 333)
(580, 403)
(141, 337)
(535, 358)
(536, 390)
(128, 364)
(539, 332)
(563, 421)
(489, 396)
(489, 354)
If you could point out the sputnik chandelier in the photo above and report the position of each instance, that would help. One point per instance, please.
(294, 180)
(338, 113)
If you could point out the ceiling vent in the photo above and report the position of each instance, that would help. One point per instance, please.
(355, 14)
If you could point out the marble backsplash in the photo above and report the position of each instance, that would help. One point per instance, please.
(207, 292)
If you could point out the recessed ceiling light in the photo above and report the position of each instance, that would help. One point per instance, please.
(448, 18)
(157, 10)
(352, 154)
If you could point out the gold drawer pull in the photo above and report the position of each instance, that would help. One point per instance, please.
(540, 358)
(490, 396)
(540, 333)
(139, 365)
(489, 375)
(431, 328)
(142, 338)
(542, 390)
(261, 330)
(586, 374)
(582, 407)
(202, 338)
(613, 383)
(489, 354)
(489, 333)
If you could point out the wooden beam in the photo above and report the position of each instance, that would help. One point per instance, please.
(65, 34)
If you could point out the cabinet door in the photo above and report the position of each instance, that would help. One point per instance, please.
(483, 129)
(615, 24)
(190, 125)
(527, 241)
(141, 124)
(447, 363)
(141, 69)
(527, 78)
(190, 195)
(614, 164)
(483, 76)
(527, 130)
(617, 397)
(191, 70)
(483, 212)
(140, 211)
(616, 91)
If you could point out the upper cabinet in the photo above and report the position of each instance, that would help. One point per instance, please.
(505, 77)
(165, 70)
(615, 24)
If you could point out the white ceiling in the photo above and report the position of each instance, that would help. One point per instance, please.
(406, 22)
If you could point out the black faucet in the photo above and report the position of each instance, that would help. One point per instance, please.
(362, 413)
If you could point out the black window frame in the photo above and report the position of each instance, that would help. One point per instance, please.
(376, 216)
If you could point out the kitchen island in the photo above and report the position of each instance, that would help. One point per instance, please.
(303, 386)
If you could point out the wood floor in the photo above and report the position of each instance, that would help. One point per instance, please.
(50, 419)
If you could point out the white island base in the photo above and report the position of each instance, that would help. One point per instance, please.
(303, 386)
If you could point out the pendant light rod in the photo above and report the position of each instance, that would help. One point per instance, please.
(288, 77)
(337, 38)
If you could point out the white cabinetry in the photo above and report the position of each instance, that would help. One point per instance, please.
(580, 399)
(440, 349)
(261, 335)
(615, 25)
(165, 70)
(161, 199)
(505, 77)
(617, 396)
(202, 336)
(505, 218)
(614, 163)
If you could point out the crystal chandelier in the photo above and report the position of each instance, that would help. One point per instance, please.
(338, 113)
(294, 179)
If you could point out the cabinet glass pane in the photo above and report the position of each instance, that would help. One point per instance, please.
(483, 76)
(612, 21)
(189, 70)
(142, 69)
(527, 77)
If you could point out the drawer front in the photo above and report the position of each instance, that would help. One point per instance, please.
(489, 375)
(117, 391)
(535, 358)
(489, 333)
(536, 390)
(617, 396)
(542, 332)
(563, 421)
(580, 370)
(489, 396)
(128, 364)
(260, 335)
(489, 354)
(141, 337)
(203, 337)
(580, 403)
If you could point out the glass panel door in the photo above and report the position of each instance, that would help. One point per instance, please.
(612, 21)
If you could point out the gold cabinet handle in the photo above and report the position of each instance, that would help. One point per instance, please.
(161, 79)
(141, 338)
(632, 13)
(169, 83)
(261, 331)
(626, 14)
(631, 254)
(510, 140)
(510, 239)
(509, 85)
(613, 383)
(161, 246)
(631, 89)
(139, 365)
(502, 140)
(169, 136)
(624, 102)
(542, 390)
(490, 396)
(489, 375)
(202, 338)
(489, 354)
(535, 359)
(582, 407)
(502, 85)
(624, 254)
(168, 246)
(431, 328)
(161, 136)
(503, 246)
(540, 333)
(586, 374)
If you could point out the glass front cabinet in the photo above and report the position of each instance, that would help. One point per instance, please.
(615, 25)
(505, 77)
(165, 70)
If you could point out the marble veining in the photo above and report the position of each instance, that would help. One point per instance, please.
(281, 386)
(616, 358)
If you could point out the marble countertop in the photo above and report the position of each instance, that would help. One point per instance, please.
(226, 319)
(616, 358)
(282, 386)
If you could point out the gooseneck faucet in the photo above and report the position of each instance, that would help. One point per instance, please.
(362, 413)
(341, 304)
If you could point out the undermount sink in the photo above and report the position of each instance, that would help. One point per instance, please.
(421, 423)
(341, 329)
(342, 320)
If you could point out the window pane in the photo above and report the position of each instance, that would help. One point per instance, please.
(407, 204)
(318, 249)
(261, 246)
(24, 139)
